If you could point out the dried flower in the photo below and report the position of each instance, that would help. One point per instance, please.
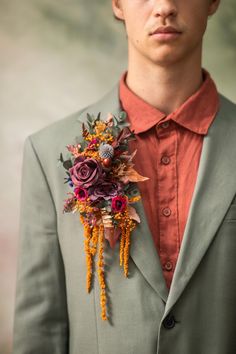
(119, 204)
(105, 190)
(81, 193)
(102, 173)
(106, 151)
(86, 173)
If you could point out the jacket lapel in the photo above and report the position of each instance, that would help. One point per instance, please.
(214, 190)
(142, 250)
(145, 256)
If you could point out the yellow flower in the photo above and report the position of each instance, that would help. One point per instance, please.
(100, 127)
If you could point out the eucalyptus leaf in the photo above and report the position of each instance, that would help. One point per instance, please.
(115, 121)
(98, 116)
(90, 118)
(67, 164)
(125, 124)
(115, 131)
(61, 158)
(122, 116)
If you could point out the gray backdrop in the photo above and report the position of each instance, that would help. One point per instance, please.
(57, 56)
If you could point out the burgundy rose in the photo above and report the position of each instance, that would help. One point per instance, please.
(86, 173)
(79, 159)
(105, 190)
(81, 193)
(119, 204)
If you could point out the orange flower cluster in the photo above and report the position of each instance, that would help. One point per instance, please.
(89, 261)
(134, 199)
(92, 154)
(94, 236)
(126, 225)
(101, 274)
(103, 137)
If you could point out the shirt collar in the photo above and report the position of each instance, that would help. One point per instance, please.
(196, 113)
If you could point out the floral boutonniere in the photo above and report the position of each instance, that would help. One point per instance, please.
(101, 173)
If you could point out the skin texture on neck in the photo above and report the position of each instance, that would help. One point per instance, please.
(165, 87)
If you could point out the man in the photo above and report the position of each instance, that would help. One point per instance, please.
(181, 293)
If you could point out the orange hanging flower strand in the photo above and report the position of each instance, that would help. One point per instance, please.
(101, 173)
(87, 235)
(101, 274)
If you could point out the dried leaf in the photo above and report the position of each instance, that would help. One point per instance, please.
(124, 179)
(85, 131)
(61, 159)
(134, 176)
(112, 235)
(133, 214)
(124, 134)
(67, 164)
(128, 158)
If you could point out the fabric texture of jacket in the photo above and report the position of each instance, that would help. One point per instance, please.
(53, 312)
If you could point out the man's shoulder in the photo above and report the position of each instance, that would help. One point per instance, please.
(68, 127)
(64, 130)
(227, 106)
(58, 128)
(54, 137)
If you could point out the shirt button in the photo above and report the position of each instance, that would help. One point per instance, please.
(165, 160)
(168, 266)
(166, 211)
(169, 322)
(165, 125)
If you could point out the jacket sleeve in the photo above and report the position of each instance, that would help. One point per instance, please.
(40, 314)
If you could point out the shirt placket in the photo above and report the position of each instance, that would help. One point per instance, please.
(167, 197)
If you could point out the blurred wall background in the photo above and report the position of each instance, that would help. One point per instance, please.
(56, 57)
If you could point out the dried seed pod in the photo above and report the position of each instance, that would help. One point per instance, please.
(106, 162)
(106, 151)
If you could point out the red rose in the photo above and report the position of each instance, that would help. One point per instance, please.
(81, 193)
(119, 204)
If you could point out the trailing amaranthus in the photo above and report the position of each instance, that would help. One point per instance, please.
(100, 171)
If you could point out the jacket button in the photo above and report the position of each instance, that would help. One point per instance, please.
(169, 322)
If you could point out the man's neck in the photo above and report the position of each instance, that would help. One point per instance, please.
(165, 88)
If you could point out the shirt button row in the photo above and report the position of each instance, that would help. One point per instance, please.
(165, 125)
(168, 266)
(166, 211)
(165, 160)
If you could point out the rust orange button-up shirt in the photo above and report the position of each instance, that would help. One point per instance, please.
(168, 152)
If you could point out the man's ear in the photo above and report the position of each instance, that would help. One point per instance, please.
(214, 4)
(117, 9)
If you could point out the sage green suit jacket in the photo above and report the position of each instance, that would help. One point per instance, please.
(53, 312)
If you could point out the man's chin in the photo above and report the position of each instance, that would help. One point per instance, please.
(167, 59)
